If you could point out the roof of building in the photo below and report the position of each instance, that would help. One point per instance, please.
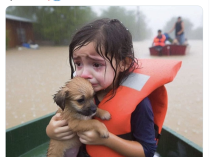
(17, 18)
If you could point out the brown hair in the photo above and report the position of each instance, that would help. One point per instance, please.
(111, 36)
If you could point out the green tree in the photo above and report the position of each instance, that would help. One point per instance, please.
(132, 20)
(58, 23)
(23, 11)
(54, 23)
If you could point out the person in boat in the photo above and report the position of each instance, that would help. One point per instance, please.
(179, 31)
(159, 42)
(102, 52)
(168, 40)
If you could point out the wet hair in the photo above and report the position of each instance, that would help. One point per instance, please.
(112, 41)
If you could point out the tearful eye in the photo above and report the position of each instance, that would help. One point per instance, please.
(81, 100)
(78, 64)
(96, 65)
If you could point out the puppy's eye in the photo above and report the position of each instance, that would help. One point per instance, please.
(81, 100)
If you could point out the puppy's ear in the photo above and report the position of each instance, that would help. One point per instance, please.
(60, 98)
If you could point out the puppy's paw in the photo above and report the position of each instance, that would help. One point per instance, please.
(106, 116)
(103, 132)
(106, 135)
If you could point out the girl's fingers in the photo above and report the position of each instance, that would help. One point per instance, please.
(68, 137)
(82, 137)
(65, 134)
(57, 116)
(61, 123)
(83, 141)
(63, 129)
(85, 136)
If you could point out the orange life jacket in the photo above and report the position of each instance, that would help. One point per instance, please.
(148, 81)
(159, 41)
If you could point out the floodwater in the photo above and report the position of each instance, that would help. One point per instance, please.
(33, 76)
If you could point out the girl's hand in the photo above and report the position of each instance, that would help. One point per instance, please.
(91, 137)
(58, 129)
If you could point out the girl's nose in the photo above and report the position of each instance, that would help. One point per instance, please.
(86, 74)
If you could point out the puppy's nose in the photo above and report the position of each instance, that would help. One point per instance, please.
(93, 109)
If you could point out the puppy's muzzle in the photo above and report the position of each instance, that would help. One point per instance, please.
(93, 108)
(89, 111)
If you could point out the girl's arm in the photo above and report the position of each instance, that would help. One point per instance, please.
(58, 129)
(124, 147)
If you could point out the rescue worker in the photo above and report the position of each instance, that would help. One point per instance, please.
(159, 42)
(179, 31)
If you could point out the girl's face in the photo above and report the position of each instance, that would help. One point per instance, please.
(90, 65)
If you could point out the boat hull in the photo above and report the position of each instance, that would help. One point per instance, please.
(168, 50)
(30, 139)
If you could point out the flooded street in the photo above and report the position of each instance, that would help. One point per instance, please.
(185, 93)
(33, 76)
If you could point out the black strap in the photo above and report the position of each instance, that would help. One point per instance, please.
(96, 100)
(83, 152)
(157, 135)
(127, 136)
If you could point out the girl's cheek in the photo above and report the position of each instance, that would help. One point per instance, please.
(78, 66)
(78, 71)
(100, 69)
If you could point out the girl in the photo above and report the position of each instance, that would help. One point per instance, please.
(102, 52)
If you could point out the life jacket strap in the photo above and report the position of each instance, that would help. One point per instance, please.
(157, 135)
(127, 136)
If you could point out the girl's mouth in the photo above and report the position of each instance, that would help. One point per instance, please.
(94, 85)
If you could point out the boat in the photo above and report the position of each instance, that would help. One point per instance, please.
(30, 140)
(169, 49)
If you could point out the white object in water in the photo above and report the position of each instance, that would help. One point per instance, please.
(34, 46)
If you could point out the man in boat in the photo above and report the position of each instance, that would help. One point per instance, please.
(179, 31)
(159, 42)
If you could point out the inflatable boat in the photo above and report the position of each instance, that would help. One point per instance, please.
(169, 50)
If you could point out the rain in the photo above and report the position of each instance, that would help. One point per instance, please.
(37, 62)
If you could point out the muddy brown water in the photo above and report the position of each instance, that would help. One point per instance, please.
(33, 76)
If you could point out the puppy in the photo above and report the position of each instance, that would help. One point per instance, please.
(76, 102)
(175, 42)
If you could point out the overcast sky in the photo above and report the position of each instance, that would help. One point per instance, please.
(157, 16)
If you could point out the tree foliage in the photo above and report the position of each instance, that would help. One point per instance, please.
(58, 23)
(23, 11)
(54, 23)
(133, 20)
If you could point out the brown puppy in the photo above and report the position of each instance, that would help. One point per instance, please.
(76, 102)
